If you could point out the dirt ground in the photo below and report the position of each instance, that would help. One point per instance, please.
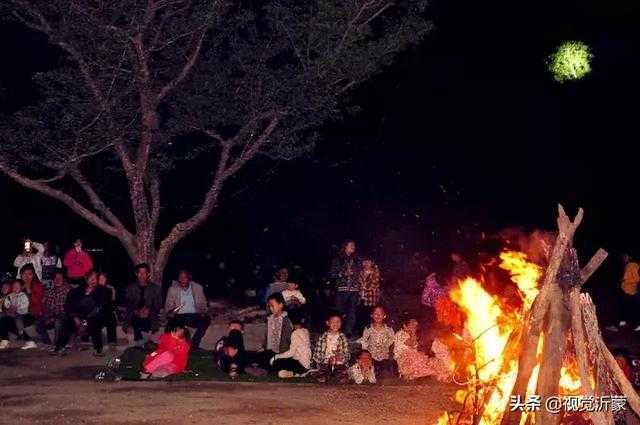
(38, 389)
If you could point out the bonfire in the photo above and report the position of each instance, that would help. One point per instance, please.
(535, 349)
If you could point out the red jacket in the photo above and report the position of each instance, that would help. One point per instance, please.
(36, 298)
(179, 348)
(77, 263)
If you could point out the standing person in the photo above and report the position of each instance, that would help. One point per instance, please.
(345, 271)
(432, 291)
(53, 313)
(85, 309)
(78, 263)
(16, 316)
(279, 284)
(369, 283)
(628, 304)
(31, 254)
(143, 301)
(110, 321)
(50, 263)
(187, 303)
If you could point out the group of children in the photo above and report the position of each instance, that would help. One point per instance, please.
(287, 350)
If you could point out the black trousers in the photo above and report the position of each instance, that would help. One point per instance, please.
(200, 322)
(385, 368)
(139, 326)
(94, 324)
(627, 309)
(110, 323)
(16, 326)
(261, 358)
(289, 364)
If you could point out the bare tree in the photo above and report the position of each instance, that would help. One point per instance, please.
(252, 77)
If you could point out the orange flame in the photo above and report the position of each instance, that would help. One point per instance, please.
(488, 328)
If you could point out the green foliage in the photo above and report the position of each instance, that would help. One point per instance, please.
(570, 61)
(301, 58)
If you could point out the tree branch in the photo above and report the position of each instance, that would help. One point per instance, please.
(64, 198)
(96, 201)
(250, 151)
(44, 27)
(191, 60)
(180, 230)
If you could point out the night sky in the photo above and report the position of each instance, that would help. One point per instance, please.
(467, 133)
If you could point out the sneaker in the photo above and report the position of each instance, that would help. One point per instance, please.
(4, 344)
(29, 345)
(636, 329)
(98, 353)
(285, 374)
(612, 328)
(622, 324)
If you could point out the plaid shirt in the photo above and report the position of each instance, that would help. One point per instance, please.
(369, 284)
(319, 351)
(53, 302)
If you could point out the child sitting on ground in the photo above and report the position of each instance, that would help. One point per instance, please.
(231, 359)
(377, 339)
(297, 360)
(16, 316)
(235, 328)
(278, 335)
(331, 352)
(171, 355)
(293, 297)
(414, 364)
(363, 372)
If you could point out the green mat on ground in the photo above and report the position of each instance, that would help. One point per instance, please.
(200, 367)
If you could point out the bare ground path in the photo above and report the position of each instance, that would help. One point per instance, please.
(38, 389)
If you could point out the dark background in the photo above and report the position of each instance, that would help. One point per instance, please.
(467, 133)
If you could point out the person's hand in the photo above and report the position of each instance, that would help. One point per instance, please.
(12, 311)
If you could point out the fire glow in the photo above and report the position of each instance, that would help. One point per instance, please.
(489, 323)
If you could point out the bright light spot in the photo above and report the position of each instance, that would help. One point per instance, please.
(570, 61)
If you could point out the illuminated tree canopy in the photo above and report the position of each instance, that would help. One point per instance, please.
(570, 61)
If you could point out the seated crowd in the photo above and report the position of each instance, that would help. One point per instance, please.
(75, 309)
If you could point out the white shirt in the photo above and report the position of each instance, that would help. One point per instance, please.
(289, 295)
(35, 259)
(399, 345)
(300, 348)
(355, 373)
(187, 301)
(377, 341)
(19, 301)
(332, 344)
